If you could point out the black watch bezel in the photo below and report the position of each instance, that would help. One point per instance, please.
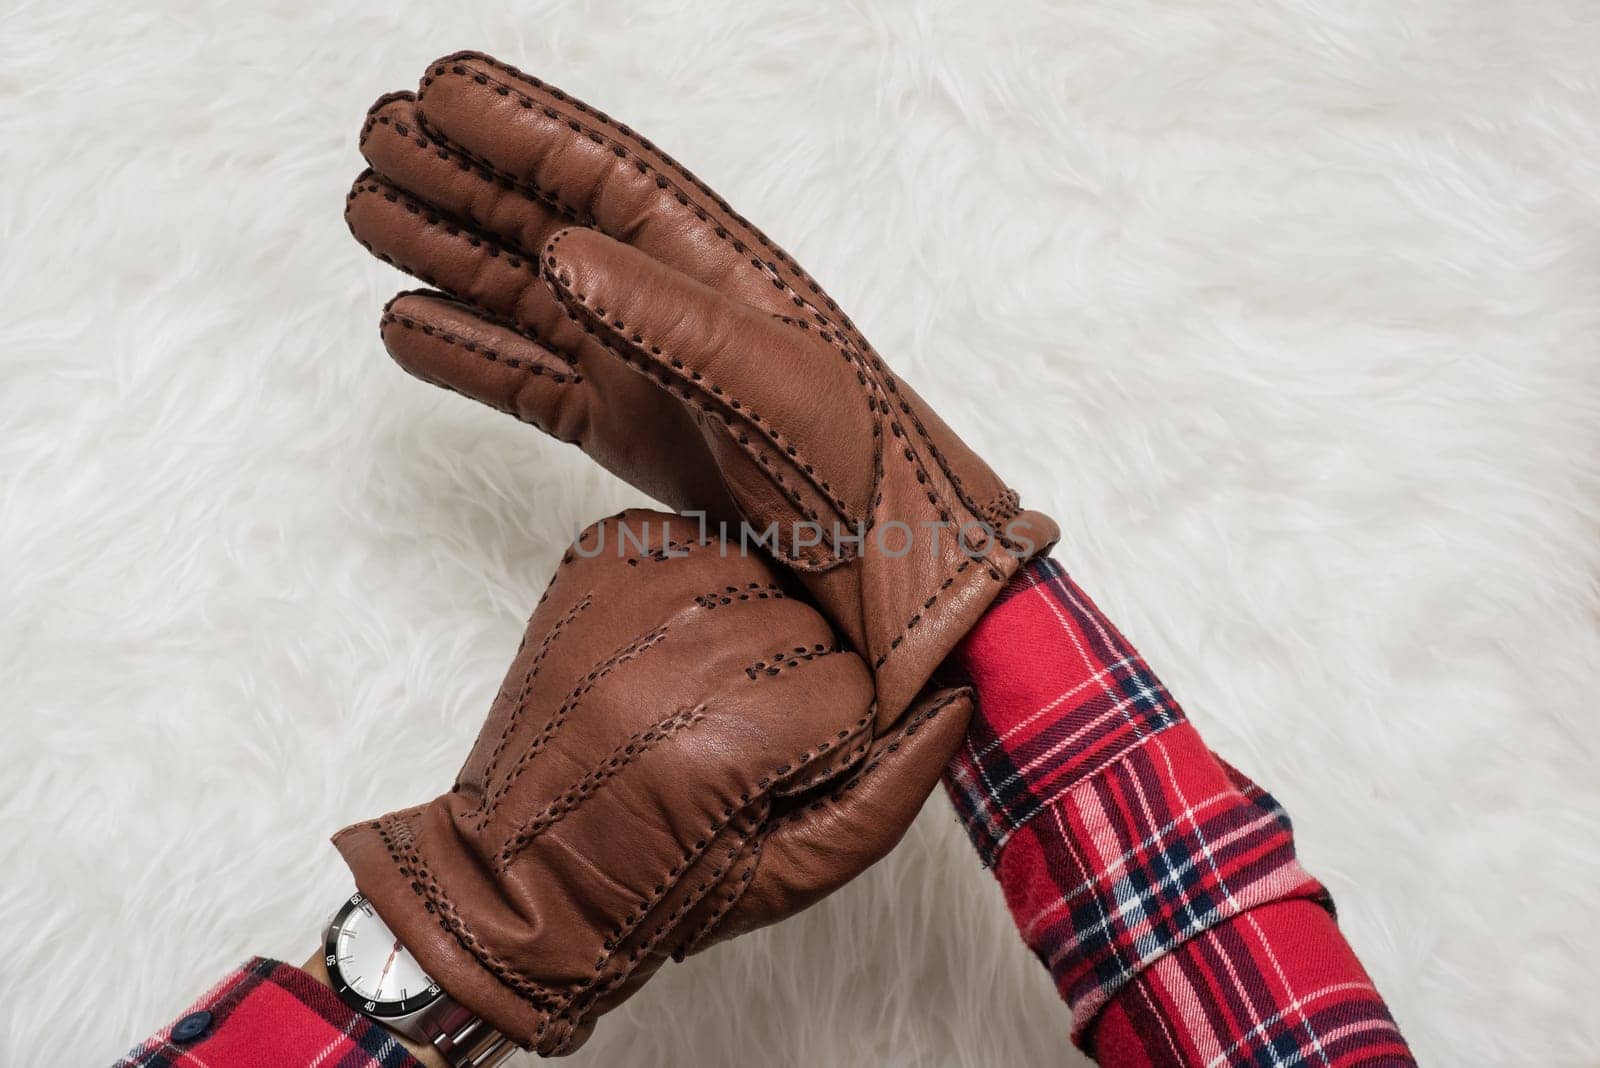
(382, 1010)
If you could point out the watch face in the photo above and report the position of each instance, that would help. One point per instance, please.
(369, 968)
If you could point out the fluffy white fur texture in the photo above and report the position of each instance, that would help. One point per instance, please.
(1287, 309)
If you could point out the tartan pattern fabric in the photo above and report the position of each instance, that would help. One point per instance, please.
(1277, 987)
(1087, 704)
(1157, 884)
(1138, 859)
(267, 1014)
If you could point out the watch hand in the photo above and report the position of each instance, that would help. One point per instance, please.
(393, 953)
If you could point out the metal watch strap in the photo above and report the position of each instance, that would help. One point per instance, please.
(462, 1038)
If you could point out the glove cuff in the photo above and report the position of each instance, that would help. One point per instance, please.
(906, 649)
(418, 899)
(444, 905)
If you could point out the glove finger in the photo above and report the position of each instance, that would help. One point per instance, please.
(400, 148)
(595, 168)
(449, 255)
(448, 344)
(626, 423)
(818, 848)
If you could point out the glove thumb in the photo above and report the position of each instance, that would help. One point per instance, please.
(711, 349)
(822, 845)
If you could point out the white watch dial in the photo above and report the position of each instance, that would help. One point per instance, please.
(369, 967)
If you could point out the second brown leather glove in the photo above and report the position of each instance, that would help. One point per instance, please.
(595, 288)
(681, 752)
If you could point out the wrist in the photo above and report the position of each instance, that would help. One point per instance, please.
(422, 1051)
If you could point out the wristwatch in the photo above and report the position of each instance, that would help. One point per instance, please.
(375, 975)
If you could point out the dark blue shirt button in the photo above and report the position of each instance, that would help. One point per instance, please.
(191, 1026)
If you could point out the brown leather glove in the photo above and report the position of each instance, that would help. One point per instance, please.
(682, 751)
(595, 288)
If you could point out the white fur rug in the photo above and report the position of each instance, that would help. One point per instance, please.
(1295, 308)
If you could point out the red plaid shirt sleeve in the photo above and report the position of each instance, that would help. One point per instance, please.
(268, 1014)
(1158, 885)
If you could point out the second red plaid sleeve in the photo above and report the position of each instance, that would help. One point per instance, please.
(1128, 853)
(267, 1014)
